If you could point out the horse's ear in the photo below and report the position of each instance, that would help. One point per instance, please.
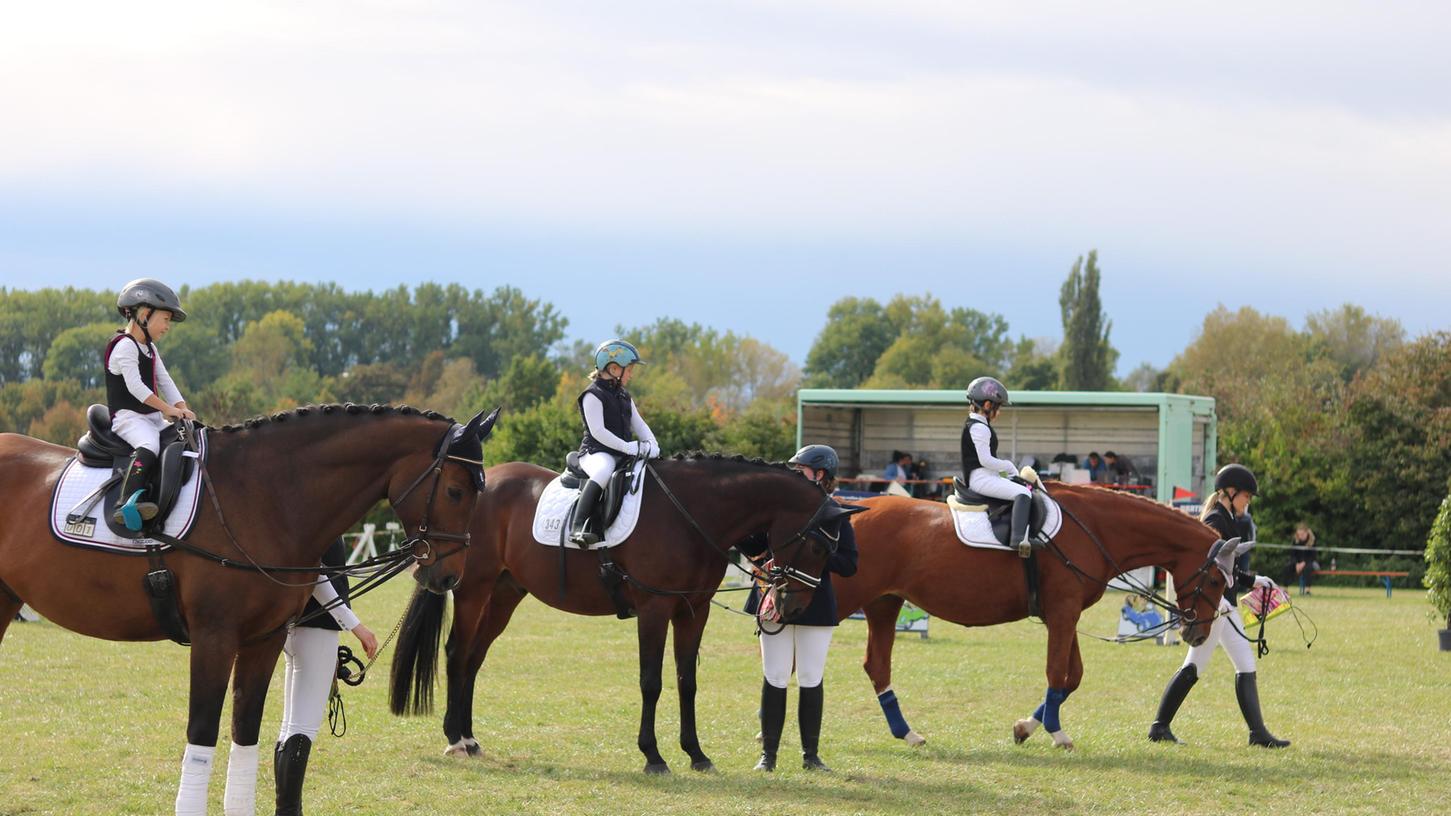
(1244, 547)
(835, 512)
(1225, 552)
(486, 426)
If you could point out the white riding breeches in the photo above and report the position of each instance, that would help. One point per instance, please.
(599, 466)
(984, 481)
(802, 646)
(140, 430)
(1232, 637)
(312, 663)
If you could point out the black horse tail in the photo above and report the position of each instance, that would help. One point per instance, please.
(415, 658)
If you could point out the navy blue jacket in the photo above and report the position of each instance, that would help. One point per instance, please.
(1229, 527)
(822, 609)
(336, 556)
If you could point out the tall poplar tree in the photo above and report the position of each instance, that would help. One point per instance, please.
(1087, 357)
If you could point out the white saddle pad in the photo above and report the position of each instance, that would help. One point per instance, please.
(551, 515)
(974, 529)
(74, 522)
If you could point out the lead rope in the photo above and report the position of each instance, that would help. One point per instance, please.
(337, 716)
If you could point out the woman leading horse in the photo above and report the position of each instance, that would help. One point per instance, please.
(693, 509)
(281, 490)
(909, 551)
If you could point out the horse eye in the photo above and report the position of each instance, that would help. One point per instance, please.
(455, 495)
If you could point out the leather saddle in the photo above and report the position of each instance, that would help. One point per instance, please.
(1000, 511)
(613, 497)
(100, 447)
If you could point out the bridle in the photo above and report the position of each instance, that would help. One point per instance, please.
(421, 544)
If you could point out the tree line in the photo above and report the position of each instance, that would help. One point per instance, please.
(1347, 420)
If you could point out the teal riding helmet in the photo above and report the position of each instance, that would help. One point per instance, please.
(616, 351)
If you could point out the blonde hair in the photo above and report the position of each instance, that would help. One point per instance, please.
(1210, 502)
(1310, 537)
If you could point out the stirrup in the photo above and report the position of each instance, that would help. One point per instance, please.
(135, 515)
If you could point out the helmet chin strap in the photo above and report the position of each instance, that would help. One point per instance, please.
(140, 321)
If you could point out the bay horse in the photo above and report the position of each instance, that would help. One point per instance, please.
(909, 551)
(282, 488)
(675, 558)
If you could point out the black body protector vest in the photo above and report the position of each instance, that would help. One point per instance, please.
(969, 448)
(618, 411)
(118, 396)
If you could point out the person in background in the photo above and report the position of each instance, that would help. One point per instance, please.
(1095, 467)
(900, 468)
(1120, 470)
(1302, 556)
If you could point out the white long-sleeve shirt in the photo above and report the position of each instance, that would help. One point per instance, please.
(982, 440)
(594, 419)
(125, 361)
(324, 593)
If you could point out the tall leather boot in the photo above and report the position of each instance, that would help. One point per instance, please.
(808, 714)
(773, 720)
(1022, 512)
(582, 525)
(137, 503)
(289, 764)
(1174, 695)
(1247, 691)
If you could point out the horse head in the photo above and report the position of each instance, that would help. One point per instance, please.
(438, 505)
(1199, 593)
(800, 560)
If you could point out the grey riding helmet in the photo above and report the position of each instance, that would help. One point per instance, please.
(1238, 477)
(817, 457)
(149, 292)
(984, 389)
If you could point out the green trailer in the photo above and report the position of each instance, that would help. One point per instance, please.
(1169, 437)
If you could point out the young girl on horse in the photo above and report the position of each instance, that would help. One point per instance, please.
(801, 644)
(613, 428)
(980, 462)
(140, 394)
(1227, 511)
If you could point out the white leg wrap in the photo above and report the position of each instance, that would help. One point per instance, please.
(1061, 739)
(196, 773)
(241, 796)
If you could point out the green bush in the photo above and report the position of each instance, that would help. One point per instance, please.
(1438, 562)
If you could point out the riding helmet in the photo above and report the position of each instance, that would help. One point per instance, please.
(1238, 477)
(149, 292)
(817, 457)
(616, 351)
(983, 389)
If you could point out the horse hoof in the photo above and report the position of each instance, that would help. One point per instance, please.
(704, 766)
(460, 751)
(1022, 729)
(476, 751)
(1062, 740)
(915, 739)
(657, 769)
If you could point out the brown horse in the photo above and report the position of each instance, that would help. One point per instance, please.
(287, 486)
(675, 560)
(910, 552)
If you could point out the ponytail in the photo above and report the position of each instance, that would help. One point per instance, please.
(1210, 502)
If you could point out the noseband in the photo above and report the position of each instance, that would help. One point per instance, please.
(421, 544)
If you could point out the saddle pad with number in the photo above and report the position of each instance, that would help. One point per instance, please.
(551, 515)
(975, 529)
(80, 499)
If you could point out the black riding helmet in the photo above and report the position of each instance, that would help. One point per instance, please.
(984, 389)
(817, 457)
(1238, 477)
(149, 292)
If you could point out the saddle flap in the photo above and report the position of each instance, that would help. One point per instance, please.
(175, 469)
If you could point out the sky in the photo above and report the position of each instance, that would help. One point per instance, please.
(743, 164)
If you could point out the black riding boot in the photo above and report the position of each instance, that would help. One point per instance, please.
(289, 764)
(773, 719)
(1247, 690)
(1022, 512)
(808, 714)
(583, 525)
(140, 476)
(1174, 695)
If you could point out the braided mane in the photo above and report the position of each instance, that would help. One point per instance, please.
(704, 456)
(349, 408)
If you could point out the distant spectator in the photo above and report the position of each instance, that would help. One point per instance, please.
(1303, 556)
(1120, 469)
(900, 468)
(1097, 471)
(922, 471)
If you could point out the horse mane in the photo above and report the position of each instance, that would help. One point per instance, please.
(1147, 502)
(348, 408)
(736, 458)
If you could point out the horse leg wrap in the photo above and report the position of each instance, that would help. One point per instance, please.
(893, 712)
(241, 796)
(1047, 713)
(196, 774)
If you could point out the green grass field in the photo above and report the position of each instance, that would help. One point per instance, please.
(90, 727)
